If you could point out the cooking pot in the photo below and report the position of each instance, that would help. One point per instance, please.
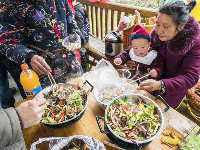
(125, 143)
(73, 120)
(113, 43)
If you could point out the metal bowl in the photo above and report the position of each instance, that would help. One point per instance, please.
(71, 121)
(125, 143)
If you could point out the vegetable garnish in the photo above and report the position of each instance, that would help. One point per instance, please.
(133, 121)
(63, 104)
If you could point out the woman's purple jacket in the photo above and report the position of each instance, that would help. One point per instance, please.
(181, 57)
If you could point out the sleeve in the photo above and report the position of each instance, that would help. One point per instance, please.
(189, 75)
(158, 65)
(124, 55)
(79, 16)
(71, 23)
(10, 127)
(12, 30)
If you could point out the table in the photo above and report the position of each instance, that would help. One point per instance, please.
(87, 126)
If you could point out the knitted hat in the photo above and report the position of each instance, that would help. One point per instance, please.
(139, 32)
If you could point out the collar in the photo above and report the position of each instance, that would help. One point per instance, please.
(148, 59)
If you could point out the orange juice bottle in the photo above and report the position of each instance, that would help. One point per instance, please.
(30, 82)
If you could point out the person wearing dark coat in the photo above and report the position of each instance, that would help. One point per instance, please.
(81, 17)
(32, 31)
(177, 38)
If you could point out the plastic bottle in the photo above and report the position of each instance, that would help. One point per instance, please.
(30, 82)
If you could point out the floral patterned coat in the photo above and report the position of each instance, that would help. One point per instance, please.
(44, 24)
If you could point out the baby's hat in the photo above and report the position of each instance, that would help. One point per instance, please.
(139, 32)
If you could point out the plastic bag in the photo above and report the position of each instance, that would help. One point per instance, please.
(107, 83)
(102, 65)
(127, 22)
(72, 42)
(58, 143)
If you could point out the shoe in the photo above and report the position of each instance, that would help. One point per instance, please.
(13, 90)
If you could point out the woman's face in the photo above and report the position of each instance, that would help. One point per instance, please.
(165, 28)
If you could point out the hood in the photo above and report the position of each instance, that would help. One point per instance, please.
(183, 41)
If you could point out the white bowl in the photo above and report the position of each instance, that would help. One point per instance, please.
(130, 86)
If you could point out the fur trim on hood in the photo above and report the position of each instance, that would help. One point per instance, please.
(183, 41)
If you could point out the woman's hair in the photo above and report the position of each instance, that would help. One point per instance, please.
(178, 11)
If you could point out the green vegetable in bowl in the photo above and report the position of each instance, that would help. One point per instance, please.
(133, 121)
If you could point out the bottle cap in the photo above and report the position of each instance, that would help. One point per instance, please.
(24, 66)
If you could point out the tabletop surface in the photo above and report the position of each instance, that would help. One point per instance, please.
(87, 126)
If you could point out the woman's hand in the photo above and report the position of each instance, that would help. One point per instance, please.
(39, 65)
(130, 64)
(31, 111)
(150, 85)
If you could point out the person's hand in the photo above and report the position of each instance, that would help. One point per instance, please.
(39, 65)
(153, 73)
(31, 111)
(118, 61)
(149, 85)
(130, 64)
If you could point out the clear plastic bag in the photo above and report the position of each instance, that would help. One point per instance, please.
(72, 42)
(102, 66)
(107, 83)
(61, 143)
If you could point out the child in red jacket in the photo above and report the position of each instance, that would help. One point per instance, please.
(146, 59)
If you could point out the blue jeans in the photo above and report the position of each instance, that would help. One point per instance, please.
(6, 98)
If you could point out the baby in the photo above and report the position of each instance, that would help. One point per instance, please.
(146, 59)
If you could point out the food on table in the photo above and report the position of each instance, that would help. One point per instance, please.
(169, 140)
(133, 121)
(107, 94)
(63, 104)
(171, 137)
(80, 146)
(76, 144)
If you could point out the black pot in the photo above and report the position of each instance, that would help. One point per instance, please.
(122, 142)
(75, 118)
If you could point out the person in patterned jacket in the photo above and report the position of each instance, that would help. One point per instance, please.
(31, 31)
(146, 60)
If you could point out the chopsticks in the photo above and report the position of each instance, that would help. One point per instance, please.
(142, 77)
(51, 79)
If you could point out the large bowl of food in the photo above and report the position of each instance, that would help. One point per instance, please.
(132, 121)
(106, 94)
(66, 104)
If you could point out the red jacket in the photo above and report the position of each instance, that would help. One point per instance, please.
(156, 64)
